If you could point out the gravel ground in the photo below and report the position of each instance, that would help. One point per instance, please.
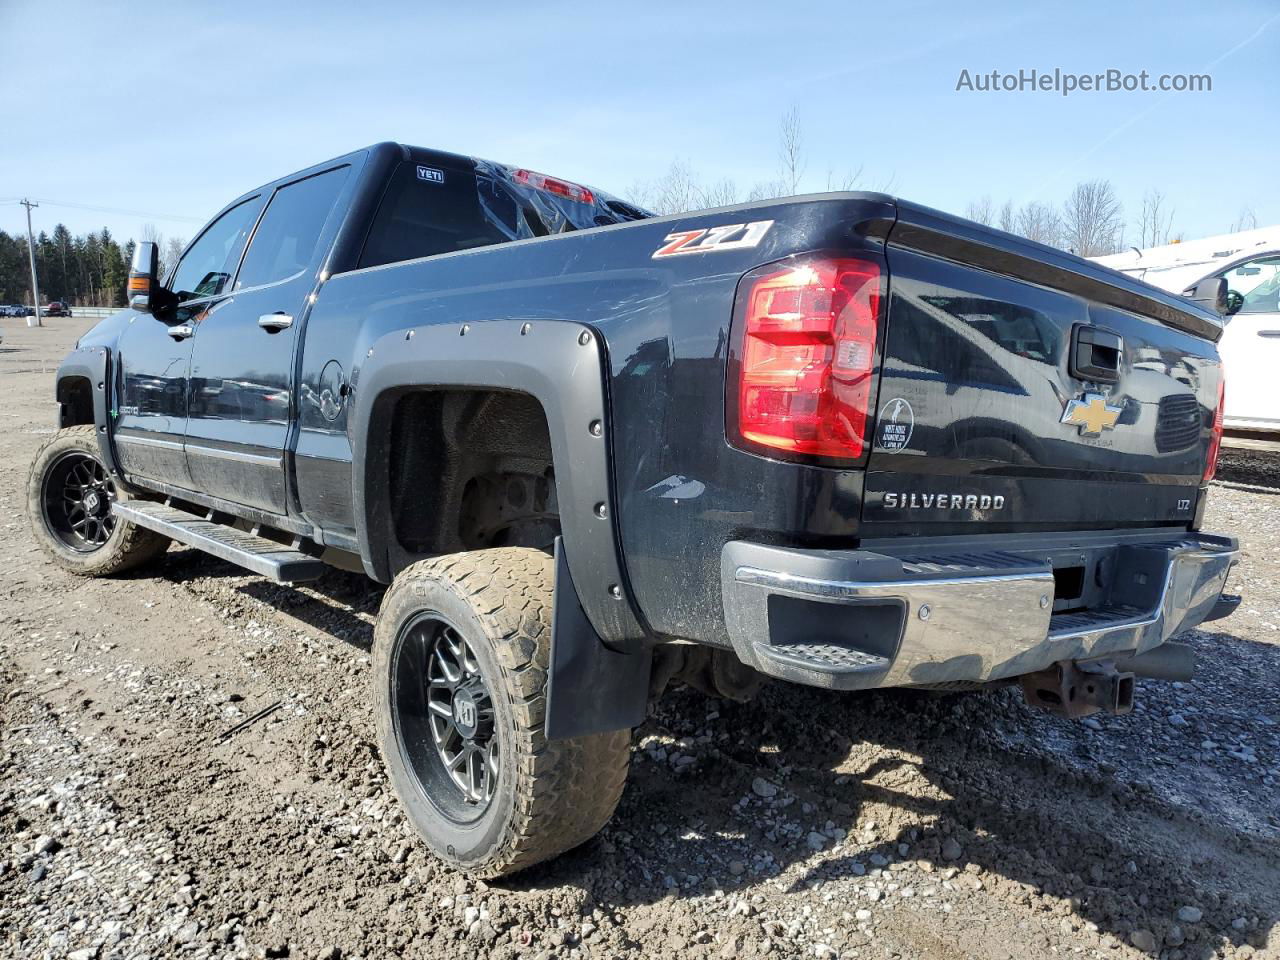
(140, 816)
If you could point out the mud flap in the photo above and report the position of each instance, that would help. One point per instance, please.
(590, 688)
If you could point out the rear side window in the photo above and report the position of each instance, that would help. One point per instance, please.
(285, 241)
(207, 265)
(428, 209)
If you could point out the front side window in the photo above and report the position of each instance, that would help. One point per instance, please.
(285, 241)
(207, 265)
(1255, 286)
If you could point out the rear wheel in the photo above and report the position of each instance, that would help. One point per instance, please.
(461, 653)
(69, 499)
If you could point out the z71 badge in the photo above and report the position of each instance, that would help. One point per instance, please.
(730, 236)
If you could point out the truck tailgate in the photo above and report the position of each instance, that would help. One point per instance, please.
(1026, 389)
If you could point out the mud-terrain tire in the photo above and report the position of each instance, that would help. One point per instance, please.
(484, 616)
(70, 460)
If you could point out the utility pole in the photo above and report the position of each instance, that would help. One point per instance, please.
(31, 252)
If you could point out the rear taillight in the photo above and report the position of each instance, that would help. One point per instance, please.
(1215, 436)
(805, 352)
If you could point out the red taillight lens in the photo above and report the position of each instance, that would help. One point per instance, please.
(806, 339)
(1215, 437)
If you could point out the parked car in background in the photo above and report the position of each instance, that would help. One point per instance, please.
(12, 310)
(1250, 346)
(58, 308)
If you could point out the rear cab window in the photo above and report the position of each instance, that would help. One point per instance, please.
(445, 204)
(428, 209)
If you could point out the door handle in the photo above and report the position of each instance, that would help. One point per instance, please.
(275, 322)
(1269, 333)
(1095, 354)
(182, 331)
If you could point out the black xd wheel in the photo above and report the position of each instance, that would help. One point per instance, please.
(69, 499)
(460, 671)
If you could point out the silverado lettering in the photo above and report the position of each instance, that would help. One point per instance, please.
(943, 501)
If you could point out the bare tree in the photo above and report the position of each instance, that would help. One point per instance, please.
(849, 181)
(766, 190)
(982, 211)
(676, 191)
(1247, 220)
(723, 193)
(791, 150)
(1041, 223)
(1155, 222)
(168, 249)
(1007, 219)
(173, 248)
(680, 189)
(640, 193)
(1092, 223)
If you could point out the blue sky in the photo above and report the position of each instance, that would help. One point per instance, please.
(171, 109)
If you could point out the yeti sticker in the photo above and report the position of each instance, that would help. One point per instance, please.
(430, 174)
(897, 420)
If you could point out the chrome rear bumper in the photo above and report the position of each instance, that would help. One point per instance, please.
(858, 619)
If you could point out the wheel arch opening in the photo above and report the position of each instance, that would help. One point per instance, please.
(75, 401)
(464, 468)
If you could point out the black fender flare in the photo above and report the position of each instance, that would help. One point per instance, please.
(93, 364)
(563, 366)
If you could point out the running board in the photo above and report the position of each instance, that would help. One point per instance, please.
(266, 557)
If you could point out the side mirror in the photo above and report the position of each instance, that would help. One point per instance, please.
(146, 295)
(1210, 293)
(142, 276)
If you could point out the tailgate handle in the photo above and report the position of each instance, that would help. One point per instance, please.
(1095, 353)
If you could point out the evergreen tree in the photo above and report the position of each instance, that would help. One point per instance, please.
(115, 272)
(89, 270)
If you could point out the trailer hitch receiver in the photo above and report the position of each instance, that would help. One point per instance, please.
(1079, 689)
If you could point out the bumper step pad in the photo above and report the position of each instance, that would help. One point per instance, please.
(823, 657)
(277, 561)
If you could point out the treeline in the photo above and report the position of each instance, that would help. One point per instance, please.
(88, 270)
(1089, 222)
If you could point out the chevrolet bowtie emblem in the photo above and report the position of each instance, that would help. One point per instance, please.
(1092, 414)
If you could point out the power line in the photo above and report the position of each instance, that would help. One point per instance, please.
(116, 210)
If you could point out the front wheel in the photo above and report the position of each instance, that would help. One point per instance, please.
(461, 652)
(69, 499)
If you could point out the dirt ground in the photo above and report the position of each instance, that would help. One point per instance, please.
(137, 820)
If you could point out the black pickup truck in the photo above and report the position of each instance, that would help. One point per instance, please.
(841, 440)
